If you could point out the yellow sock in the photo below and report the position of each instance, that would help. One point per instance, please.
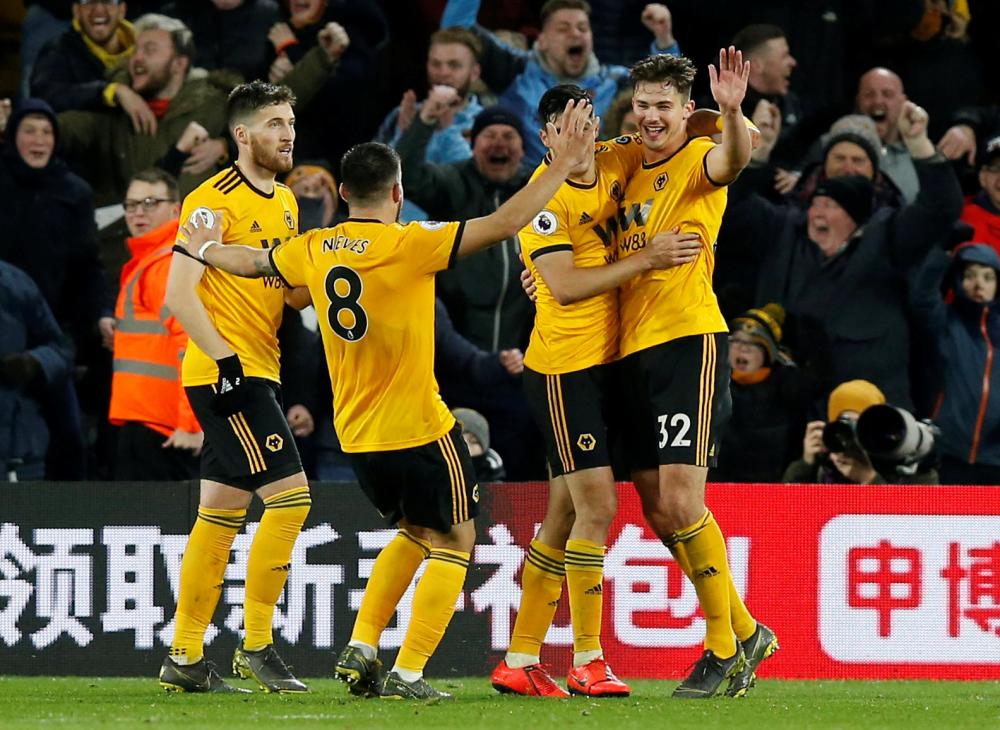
(391, 575)
(268, 563)
(585, 581)
(433, 606)
(705, 548)
(541, 587)
(202, 572)
(744, 623)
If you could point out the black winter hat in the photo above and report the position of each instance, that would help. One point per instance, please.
(495, 115)
(860, 140)
(854, 193)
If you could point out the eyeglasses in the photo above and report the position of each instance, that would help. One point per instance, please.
(147, 204)
(733, 342)
(991, 168)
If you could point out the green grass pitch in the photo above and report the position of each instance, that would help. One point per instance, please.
(82, 702)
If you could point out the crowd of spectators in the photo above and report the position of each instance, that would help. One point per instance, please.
(862, 245)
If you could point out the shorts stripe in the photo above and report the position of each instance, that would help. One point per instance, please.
(705, 398)
(557, 414)
(459, 511)
(246, 441)
(463, 498)
(451, 479)
(253, 442)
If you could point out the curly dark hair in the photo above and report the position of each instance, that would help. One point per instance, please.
(678, 71)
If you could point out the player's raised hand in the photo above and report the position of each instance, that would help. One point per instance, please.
(573, 139)
(333, 39)
(673, 248)
(729, 81)
(200, 231)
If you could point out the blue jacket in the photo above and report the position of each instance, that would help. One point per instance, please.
(450, 144)
(27, 326)
(968, 338)
(521, 77)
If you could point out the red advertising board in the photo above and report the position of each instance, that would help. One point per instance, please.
(859, 582)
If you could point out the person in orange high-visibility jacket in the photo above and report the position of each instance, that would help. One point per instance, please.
(159, 438)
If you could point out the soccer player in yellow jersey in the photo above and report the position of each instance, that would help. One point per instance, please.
(372, 281)
(569, 249)
(674, 343)
(230, 373)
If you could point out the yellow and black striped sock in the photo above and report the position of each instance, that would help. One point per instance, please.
(541, 587)
(390, 577)
(202, 570)
(433, 606)
(744, 623)
(705, 549)
(270, 560)
(585, 581)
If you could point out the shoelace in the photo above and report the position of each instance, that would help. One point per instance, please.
(702, 663)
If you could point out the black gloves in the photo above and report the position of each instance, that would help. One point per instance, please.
(19, 369)
(231, 393)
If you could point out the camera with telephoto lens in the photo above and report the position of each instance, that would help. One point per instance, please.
(841, 437)
(893, 435)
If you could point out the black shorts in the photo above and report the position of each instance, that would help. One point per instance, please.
(678, 400)
(570, 410)
(251, 448)
(433, 485)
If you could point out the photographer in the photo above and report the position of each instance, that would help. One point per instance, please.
(832, 452)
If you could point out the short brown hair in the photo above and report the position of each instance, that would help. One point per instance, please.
(248, 98)
(554, 6)
(677, 70)
(154, 175)
(460, 36)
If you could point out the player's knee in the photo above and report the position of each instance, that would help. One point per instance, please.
(461, 537)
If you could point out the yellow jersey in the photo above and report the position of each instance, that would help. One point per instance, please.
(245, 312)
(575, 336)
(662, 305)
(372, 284)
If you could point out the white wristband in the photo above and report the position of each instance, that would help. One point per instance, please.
(204, 247)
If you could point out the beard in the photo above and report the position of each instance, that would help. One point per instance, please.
(269, 159)
(156, 81)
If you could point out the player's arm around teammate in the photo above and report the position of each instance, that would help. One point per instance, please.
(571, 142)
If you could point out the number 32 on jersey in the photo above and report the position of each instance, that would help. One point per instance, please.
(346, 316)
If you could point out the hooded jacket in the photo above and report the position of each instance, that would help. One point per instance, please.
(47, 216)
(968, 408)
